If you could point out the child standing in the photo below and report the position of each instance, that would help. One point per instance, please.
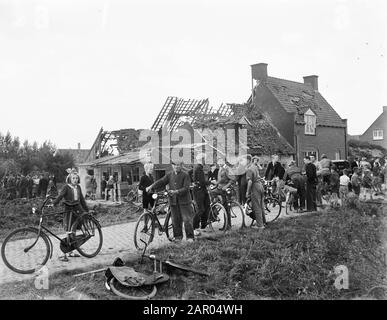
(74, 202)
(344, 182)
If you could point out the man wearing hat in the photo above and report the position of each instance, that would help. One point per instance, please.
(180, 200)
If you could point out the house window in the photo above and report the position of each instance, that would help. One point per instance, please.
(378, 134)
(337, 155)
(310, 122)
(310, 153)
(136, 174)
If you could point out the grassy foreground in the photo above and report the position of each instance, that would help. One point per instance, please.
(292, 259)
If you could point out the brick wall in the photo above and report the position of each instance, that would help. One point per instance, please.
(327, 140)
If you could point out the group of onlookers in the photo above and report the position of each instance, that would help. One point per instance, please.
(108, 187)
(28, 186)
(306, 181)
(218, 180)
(323, 177)
(368, 176)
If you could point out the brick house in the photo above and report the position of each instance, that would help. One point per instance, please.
(376, 133)
(300, 114)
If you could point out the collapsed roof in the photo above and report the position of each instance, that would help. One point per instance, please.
(262, 136)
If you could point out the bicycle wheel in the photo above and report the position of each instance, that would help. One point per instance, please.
(24, 252)
(237, 214)
(144, 231)
(168, 224)
(218, 217)
(272, 209)
(87, 236)
(132, 293)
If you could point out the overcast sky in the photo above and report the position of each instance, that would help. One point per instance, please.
(68, 68)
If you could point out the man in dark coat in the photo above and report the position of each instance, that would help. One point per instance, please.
(274, 169)
(311, 184)
(200, 195)
(180, 200)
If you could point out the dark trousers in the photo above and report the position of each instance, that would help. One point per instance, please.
(202, 201)
(182, 213)
(242, 188)
(299, 197)
(356, 190)
(311, 197)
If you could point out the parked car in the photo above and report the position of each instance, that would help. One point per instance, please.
(341, 165)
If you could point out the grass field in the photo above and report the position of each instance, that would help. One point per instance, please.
(292, 259)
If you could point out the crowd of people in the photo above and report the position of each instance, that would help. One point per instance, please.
(16, 185)
(309, 182)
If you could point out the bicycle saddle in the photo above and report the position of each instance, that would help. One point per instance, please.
(70, 203)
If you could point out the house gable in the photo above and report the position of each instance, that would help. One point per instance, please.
(379, 124)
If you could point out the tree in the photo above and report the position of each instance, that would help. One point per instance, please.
(27, 158)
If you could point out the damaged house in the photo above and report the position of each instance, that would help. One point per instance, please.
(300, 114)
(118, 153)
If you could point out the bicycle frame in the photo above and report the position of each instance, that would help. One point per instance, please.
(155, 219)
(42, 229)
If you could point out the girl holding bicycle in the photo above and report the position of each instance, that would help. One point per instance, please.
(73, 201)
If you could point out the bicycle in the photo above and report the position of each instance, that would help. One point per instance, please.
(133, 199)
(85, 236)
(290, 192)
(272, 204)
(236, 209)
(134, 288)
(148, 221)
(217, 217)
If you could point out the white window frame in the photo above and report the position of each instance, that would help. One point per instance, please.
(338, 155)
(311, 153)
(377, 134)
(310, 122)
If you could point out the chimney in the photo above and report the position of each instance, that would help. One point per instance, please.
(385, 109)
(259, 71)
(79, 146)
(313, 81)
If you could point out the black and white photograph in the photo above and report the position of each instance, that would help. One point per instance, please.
(205, 152)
